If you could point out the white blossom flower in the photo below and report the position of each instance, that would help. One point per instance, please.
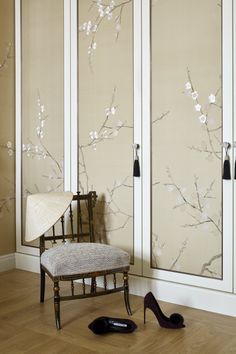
(107, 111)
(194, 95)
(188, 86)
(115, 132)
(170, 188)
(10, 152)
(93, 135)
(202, 119)
(101, 12)
(9, 144)
(119, 123)
(118, 27)
(94, 146)
(105, 134)
(42, 109)
(23, 147)
(113, 110)
(212, 98)
(94, 45)
(94, 28)
(198, 107)
(183, 189)
(107, 10)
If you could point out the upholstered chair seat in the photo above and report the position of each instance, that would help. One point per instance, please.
(81, 258)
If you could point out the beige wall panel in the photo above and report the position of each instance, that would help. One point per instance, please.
(7, 104)
(186, 150)
(42, 96)
(106, 116)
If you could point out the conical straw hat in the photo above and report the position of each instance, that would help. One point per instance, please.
(43, 210)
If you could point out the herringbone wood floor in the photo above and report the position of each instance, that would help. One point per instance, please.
(26, 326)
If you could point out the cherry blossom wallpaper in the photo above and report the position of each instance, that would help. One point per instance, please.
(105, 119)
(7, 131)
(186, 137)
(42, 97)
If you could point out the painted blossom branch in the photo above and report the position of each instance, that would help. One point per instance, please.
(158, 119)
(205, 267)
(203, 118)
(109, 129)
(4, 204)
(6, 200)
(104, 11)
(180, 253)
(40, 151)
(157, 249)
(163, 115)
(7, 56)
(201, 217)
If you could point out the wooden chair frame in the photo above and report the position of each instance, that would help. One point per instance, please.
(90, 200)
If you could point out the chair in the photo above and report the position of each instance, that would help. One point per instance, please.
(76, 260)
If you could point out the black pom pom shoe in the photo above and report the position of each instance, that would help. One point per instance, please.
(103, 325)
(175, 321)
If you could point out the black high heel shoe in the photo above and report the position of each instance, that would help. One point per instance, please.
(175, 320)
(103, 325)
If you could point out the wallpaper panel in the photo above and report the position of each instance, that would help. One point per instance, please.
(105, 117)
(7, 131)
(42, 97)
(186, 137)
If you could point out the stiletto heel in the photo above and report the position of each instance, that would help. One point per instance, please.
(175, 320)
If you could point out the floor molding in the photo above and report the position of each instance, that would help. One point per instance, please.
(186, 295)
(7, 262)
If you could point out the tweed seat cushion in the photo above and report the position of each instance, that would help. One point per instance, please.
(80, 258)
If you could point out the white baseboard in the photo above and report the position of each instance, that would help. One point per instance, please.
(27, 262)
(7, 262)
(186, 295)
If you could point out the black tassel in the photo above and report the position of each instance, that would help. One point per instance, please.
(235, 170)
(226, 168)
(136, 172)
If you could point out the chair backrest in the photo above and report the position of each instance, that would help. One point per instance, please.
(76, 225)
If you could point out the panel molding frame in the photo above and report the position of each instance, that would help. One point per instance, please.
(227, 283)
(70, 112)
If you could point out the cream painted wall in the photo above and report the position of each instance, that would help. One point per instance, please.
(7, 130)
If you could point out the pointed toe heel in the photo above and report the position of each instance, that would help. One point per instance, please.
(175, 321)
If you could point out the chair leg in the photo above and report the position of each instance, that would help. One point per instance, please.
(93, 289)
(42, 284)
(57, 304)
(126, 293)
